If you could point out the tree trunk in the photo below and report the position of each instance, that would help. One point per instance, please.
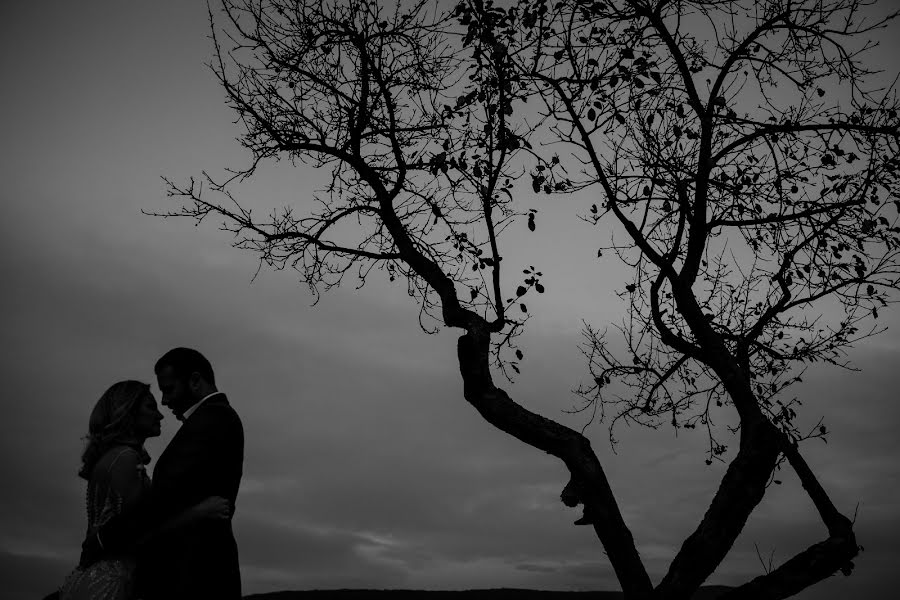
(588, 481)
(741, 490)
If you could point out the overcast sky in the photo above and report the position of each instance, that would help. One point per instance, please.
(364, 465)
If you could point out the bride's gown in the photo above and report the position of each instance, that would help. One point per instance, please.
(117, 483)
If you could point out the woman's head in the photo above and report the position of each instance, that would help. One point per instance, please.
(125, 414)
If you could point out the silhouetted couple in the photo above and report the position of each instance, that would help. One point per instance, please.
(169, 539)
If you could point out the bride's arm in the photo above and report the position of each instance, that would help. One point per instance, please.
(126, 480)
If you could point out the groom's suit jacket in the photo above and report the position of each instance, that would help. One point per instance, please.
(205, 458)
(199, 561)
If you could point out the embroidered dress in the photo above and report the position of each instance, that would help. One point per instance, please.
(118, 479)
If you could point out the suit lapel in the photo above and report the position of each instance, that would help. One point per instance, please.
(184, 430)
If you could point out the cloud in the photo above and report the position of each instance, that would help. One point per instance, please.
(536, 568)
(307, 556)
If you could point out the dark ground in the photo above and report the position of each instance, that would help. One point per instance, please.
(705, 593)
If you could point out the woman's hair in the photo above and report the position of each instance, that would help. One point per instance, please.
(112, 422)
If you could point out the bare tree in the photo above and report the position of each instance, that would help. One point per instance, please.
(415, 114)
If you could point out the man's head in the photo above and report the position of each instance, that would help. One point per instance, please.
(185, 377)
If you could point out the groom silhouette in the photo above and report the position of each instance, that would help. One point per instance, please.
(205, 458)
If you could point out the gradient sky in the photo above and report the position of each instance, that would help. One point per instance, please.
(364, 465)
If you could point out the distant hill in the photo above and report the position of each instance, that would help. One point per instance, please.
(705, 593)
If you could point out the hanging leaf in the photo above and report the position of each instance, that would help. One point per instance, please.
(519, 354)
(539, 288)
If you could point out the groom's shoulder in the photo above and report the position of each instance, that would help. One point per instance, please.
(222, 404)
(218, 410)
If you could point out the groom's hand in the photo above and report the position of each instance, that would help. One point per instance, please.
(216, 508)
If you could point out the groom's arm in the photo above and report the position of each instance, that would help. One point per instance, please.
(120, 533)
